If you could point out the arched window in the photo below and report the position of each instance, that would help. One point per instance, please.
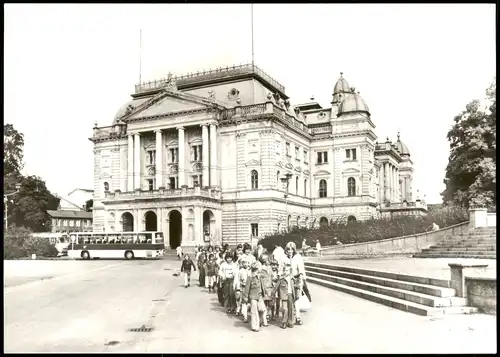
(278, 179)
(322, 188)
(254, 179)
(106, 186)
(305, 187)
(297, 185)
(351, 186)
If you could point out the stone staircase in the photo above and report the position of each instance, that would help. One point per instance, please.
(418, 295)
(479, 243)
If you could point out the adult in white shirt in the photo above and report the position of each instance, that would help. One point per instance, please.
(279, 255)
(299, 274)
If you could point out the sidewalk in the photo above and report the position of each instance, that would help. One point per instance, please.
(430, 268)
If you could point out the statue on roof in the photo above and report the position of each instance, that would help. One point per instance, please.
(170, 82)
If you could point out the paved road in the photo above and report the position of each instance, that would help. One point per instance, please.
(84, 311)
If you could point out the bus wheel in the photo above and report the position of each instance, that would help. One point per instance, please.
(129, 255)
(85, 255)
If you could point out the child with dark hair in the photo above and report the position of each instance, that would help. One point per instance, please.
(227, 273)
(266, 277)
(274, 303)
(186, 266)
(254, 294)
(211, 270)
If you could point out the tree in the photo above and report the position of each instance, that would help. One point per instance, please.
(13, 145)
(471, 172)
(29, 207)
(89, 205)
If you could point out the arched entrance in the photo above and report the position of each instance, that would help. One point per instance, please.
(151, 221)
(175, 229)
(208, 225)
(127, 222)
(351, 219)
(323, 222)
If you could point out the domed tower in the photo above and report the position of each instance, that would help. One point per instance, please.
(405, 171)
(340, 89)
(354, 141)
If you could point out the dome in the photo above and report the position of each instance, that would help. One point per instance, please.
(341, 85)
(401, 147)
(340, 88)
(353, 103)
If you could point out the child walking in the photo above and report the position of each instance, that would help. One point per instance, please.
(286, 293)
(186, 266)
(211, 271)
(239, 288)
(254, 294)
(266, 277)
(227, 272)
(275, 301)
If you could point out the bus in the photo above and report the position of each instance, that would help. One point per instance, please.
(128, 245)
(59, 240)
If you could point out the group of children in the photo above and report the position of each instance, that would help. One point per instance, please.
(265, 286)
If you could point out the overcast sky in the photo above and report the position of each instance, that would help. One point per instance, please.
(416, 66)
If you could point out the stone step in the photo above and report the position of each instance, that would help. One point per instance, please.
(453, 255)
(436, 291)
(465, 245)
(383, 274)
(459, 251)
(393, 302)
(463, 249)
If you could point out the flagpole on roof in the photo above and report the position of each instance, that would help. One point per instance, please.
(253, 62)
(140, 56)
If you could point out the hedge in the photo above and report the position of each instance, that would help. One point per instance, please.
(369, 230)
(18, 243)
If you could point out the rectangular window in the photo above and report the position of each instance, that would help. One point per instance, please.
(174, 155)
(297, 155)
(287, 147)
(196, 180)
(255, 229)
(151, 184)
(151, 157)
(306, 158)
(196, 150)
(323, 157)
(172, 183)
(350, 154)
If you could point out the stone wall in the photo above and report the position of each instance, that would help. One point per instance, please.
(482, 293)
(396, 246)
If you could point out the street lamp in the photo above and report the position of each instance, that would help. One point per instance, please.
(5, 200)
(286, 180)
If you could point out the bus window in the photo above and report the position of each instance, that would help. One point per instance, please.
(104, 240)
(158, 237)
(142, 238)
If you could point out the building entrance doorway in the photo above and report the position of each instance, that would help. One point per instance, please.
(151, 221)
(175, 229)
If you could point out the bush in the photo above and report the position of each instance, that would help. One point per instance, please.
(18, 243)
(369, 230)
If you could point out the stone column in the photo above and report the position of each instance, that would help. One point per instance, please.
(130, 163)
(159, 160)
(205, 158)
(398, 190)
(387, 183)
(392, 183)
(137, 161)
(136, 221)
(381, 184)
(182, 159)
(118, 226)
(213, 155)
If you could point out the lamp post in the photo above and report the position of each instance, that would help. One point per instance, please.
(5, 201)
(286, 180)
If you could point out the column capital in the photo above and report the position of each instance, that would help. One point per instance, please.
(180, 127)
(137, 134)
(158, 131)
(204, 124)
(212, 123)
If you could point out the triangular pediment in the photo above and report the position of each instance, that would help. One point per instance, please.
(196, 140)
(297, 169)
(279, 164)
(321, 173)
(169, 101)
(253, 163)
(306, 172)
(289, 166)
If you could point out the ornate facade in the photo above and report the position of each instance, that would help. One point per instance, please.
(221, 156)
